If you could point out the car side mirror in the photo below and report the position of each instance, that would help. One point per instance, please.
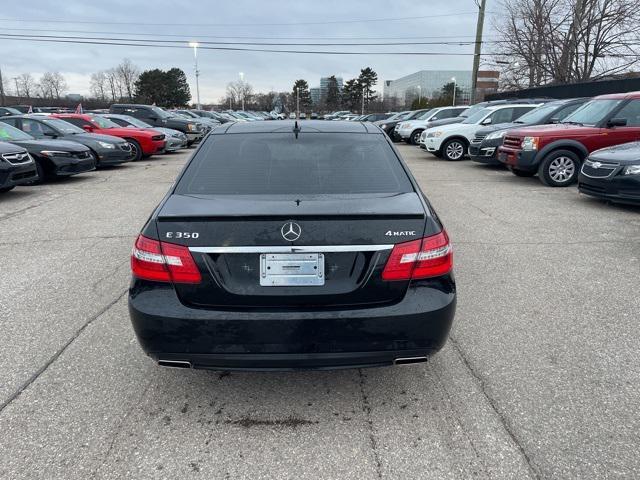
(50, 134)
(617, 122)
(87, 128)
(554, 120)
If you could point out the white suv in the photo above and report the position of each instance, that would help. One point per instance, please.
(452, 141)
(410, 130)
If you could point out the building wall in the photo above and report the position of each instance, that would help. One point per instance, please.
(427, 83)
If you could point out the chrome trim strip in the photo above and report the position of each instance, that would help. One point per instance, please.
(293, 249)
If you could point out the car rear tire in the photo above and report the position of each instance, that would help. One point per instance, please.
(136, 149)
(415, 137)
(522, 173)
(454, 149)
(6, 189)
(559, 168)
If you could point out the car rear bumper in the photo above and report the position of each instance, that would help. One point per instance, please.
(194, 137)
(619, 189)
(249, 339)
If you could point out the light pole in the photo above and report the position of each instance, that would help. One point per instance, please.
(364, 89)
(297, 103)
(419, 95)
(455, 85)
(195, 58)
(242, 88)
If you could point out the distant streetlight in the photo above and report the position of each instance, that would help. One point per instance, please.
(455, 85)
(242, 88)
(419, 95)
(195, 45)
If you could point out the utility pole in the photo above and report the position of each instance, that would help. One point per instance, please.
(1, 90)
(478, 49)
(15, 79)
(297, 103)
(364, 89)
(195, 58)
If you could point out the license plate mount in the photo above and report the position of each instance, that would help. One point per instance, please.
(291, 269)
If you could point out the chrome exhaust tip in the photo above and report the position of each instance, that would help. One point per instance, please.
(409, 360)
(174, 363)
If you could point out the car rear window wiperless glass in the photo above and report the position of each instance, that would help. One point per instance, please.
(278, 163)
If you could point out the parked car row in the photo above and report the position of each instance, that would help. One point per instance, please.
(592, 141)
(39, 146)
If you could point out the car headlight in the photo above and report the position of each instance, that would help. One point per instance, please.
(631, 170)
(437, 133)
(384, 127)
(106, 145)
(55, 153)
(192, 127)
(530, 143)
(495, 135)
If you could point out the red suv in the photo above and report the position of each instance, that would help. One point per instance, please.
(144, 141)
(555, 152)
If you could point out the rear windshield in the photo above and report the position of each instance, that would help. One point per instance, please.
(278, 164)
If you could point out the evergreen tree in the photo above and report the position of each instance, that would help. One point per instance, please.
(367, 80)
(304, 94)
(333, 93)
(167, 89)
(352, 95)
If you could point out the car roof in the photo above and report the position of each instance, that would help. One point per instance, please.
(315, 126)
(512, 105)
(618, 96)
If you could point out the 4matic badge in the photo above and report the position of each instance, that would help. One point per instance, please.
(402, 233)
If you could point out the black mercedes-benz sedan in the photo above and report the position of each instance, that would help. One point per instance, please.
(290, 247)
(613, 174)
(54, 158)
(107, 149)
(16, 167)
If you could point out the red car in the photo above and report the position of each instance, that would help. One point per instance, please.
(556, 152)
(144, 141)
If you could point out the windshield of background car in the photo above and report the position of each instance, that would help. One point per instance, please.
(477, 116)
(426, 114)
(472, 110)
(104, 122)
(62, 126)
(280, 164)
(160, 113)
(136, 122)
(593, 112)
(538, 115)
(9, 133)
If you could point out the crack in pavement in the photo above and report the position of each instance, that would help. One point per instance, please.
(366, 408)
(533, 469)
(59, 352)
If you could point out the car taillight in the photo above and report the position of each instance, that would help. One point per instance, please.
(424, 258)
(163, 262)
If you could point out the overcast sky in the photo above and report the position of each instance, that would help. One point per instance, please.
(204, 19)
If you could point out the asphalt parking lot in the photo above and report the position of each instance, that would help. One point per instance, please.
(540, 378)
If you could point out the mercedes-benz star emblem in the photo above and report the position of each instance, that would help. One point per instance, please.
(291, 231)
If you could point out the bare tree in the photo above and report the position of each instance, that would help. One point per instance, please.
(113, 83)
(127, 75)
(546, 41)
(25, 85)
(52, 85)
(237, 91)
(99, 85)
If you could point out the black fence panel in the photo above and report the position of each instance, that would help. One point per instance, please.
(572, 90)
